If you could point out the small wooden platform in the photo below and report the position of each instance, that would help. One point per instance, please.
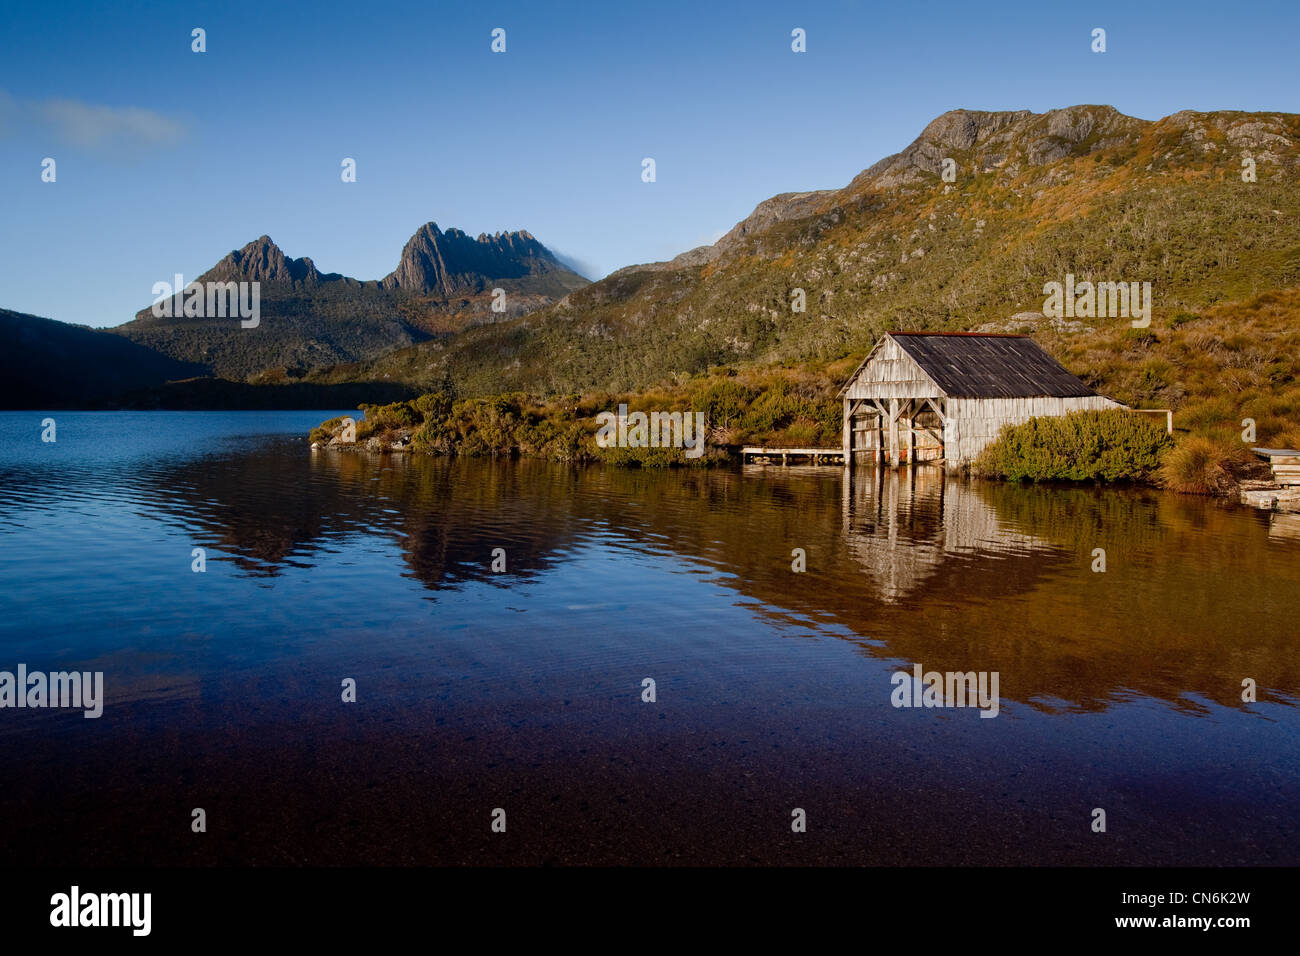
(1285, 463)
(1165, 416)
(758, 455)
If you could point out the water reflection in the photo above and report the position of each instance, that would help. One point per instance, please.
(1284, 526)
(774, 683)
(909, 565)
(902, 526)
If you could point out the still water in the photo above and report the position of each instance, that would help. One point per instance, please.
(523, 689)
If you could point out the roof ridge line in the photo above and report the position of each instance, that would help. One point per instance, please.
(982, 335)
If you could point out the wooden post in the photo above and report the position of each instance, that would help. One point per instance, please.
(911, 432)
(938, 407)
(893, 433)
(848, 432)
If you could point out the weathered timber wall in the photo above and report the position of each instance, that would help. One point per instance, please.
(974, 422)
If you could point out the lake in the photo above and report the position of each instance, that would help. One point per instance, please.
(523, 688)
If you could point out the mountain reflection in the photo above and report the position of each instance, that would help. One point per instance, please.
(910, 566)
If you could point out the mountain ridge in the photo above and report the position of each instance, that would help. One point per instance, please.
(443, 283)
(1083, 189)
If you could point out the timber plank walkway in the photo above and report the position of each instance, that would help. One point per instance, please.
(760, 455)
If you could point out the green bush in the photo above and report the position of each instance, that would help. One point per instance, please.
(773, 409)
(434, 405)
(396, 415)
(325, 430)
(1111, 445)
(645, 457)
(724, 402)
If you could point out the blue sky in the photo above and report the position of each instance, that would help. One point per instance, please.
(168, 159)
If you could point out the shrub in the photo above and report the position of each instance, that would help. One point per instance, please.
(803, 433)
(1111, 445)
(1198, 466)
(325, 430)
(774, 408)
(645, 457)
(396, 415)
(434, 405)
(724, 401)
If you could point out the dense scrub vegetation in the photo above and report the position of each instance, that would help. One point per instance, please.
(1216, 369)
(773, 407)
(1225, 371)
(1112, 445)
(1220, 370)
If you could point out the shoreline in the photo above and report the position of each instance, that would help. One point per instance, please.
(1254, 494)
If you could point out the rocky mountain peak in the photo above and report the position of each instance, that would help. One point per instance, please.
(451, 263)
(261, 261)
(962, 129)
(983, 141)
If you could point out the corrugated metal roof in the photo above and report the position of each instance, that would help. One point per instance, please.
(976, 365)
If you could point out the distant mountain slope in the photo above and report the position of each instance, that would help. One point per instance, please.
(1084, 190)
(49, 364)
(309, 319)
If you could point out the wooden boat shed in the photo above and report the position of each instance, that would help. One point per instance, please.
(944, 396)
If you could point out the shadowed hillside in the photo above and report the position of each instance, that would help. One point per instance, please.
(49, 364)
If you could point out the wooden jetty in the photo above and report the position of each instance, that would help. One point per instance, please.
(759, 455)
(1283, 492)
(1285, 463)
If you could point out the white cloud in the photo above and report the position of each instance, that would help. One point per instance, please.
(89, 125)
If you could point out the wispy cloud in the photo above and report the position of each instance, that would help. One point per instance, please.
(90, 126)
(8, 113)
(584, 267)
